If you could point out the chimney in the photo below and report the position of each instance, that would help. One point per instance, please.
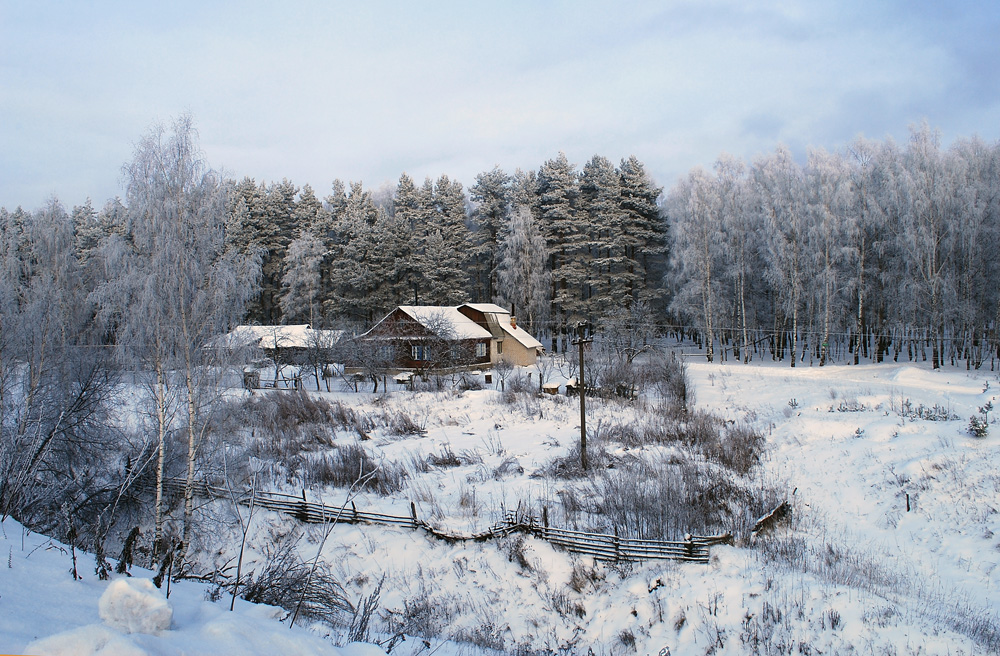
(513, 321)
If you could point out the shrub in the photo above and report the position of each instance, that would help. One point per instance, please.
(978, 426)
(283, 579)
(345, 465)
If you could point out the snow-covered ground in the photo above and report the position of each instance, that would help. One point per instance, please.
(44, 611)
(892, 545)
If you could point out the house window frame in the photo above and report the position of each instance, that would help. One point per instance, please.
(419, 352)
(481, 349)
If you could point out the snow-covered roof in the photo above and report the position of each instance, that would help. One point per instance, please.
(270, 337)
(436, 317)
(521, 335)
(487, 308)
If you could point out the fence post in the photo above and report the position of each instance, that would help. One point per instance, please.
(413, 513)
(545, 522)
(618, 555)
(688, 545)
(304, 508)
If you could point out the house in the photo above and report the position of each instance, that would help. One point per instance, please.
(297, 344)
(473, 335)
(508, 341)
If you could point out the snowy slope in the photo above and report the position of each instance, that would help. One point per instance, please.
(44, 611)
(852, 570)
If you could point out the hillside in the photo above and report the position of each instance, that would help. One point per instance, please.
(890, 548)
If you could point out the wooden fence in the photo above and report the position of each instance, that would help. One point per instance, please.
(597, 545)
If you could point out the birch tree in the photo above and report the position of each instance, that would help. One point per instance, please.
(301, 284)
(693, 208)
(522, 279)
(779, 196)
(827, 205)
(195, 287)
(741, 241)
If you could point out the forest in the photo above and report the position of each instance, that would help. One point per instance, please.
(880, 251)
(111, 383)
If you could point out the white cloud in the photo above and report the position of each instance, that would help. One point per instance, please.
(324, 90)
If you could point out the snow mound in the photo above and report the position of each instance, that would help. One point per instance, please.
(135, 606)
(91, 640)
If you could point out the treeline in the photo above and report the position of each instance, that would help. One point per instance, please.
(558, 245)
(879, 252)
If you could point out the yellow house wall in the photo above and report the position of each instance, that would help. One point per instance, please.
(514, 352)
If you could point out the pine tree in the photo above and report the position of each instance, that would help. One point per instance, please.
(566, 242)
(607, 284)
(643, 236)
(492, 197)
(356, 269)
(309, 214)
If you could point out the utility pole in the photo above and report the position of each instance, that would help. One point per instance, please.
(581, 331)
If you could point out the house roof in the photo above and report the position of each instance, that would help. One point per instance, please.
(521, 335)
(487, 308)
(270, 337)
(438, 318)
(450, 320)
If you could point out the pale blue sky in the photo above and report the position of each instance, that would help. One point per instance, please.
(313, 91)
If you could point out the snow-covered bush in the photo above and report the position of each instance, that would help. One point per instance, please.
(978, 426)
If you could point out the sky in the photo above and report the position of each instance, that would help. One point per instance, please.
(365, 91)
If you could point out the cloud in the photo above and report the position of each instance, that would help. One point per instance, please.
(319, 90)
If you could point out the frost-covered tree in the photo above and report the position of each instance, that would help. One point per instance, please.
(741, 246)
(566, 238)
(178, 284)
(301, 285)
(828, 202)
(928, 234)
(522, 278)
(696, 231)
(643, 236)
(491, 195)
(445, 247)
(56, 387)
(354, 268)
(779, 195)
(609, 280)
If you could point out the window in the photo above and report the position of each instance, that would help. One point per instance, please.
(500, 347)
(420, 352)
(481, 350)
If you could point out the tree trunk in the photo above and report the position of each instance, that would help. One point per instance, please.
(161, 434)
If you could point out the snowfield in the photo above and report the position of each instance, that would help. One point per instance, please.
(891, 546)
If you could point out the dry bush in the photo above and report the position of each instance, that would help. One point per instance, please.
(570, 466)
(345, 465)
(673, 496)
(446, 458)
(284, 578)
(400, 423)
(737, 447)
(668, 376)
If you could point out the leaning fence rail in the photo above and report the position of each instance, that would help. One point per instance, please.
(597, 545)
